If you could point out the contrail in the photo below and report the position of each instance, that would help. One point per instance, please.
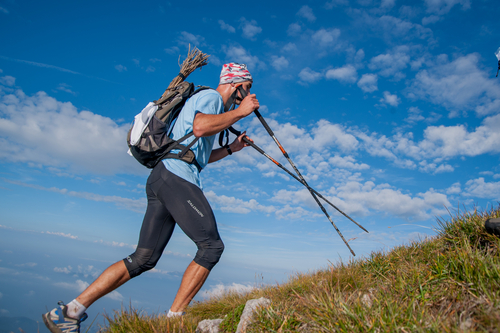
(38, 64)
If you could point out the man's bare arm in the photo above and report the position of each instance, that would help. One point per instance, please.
(210, 124)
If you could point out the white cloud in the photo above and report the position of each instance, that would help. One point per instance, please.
(438, 143)
(28, 264)
(227, 27)
(326, 134)
(117, 244)
(87, 271)
(326, 37)
(457, 140)
(368, 83)
(62, 234)
(221, 289)
(392, 100)
(8, 80)
(454, 189)
(187, 39)
(44, 131)
(290, 47)
(234, 205)
(296, 212)
(65, 270)
(362, 197)
(360, 55)
(120, 68)
(334, 3)
(307, 13)
(250, 28)
(347, 162)
(391, 26)
(294, 29)
(430, 19)
(79, 285)
(414, 115)
(308, 75)
(115, 295)
(346, 74)
(391, 64)
(481, 189)
(435, 168)
(174, 50)
(241, 55)
(66, 88)
(442, 7)
(279, 63)
(387, 4)
(458, 85)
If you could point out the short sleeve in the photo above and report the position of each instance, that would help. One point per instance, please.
(209, 103)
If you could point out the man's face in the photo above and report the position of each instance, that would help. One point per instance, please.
(247, 85)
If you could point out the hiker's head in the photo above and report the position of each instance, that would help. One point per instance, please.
(232, 76)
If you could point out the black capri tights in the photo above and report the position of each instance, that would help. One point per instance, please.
(173, 200)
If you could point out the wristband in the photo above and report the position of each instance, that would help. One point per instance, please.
(228, 149)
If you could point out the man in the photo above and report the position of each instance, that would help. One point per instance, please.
(175, 197)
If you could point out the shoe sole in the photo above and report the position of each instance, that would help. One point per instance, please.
(50, 324)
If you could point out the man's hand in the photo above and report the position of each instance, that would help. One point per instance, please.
(248, 105)
(238, 143)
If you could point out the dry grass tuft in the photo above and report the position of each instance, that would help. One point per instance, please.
(194, 60)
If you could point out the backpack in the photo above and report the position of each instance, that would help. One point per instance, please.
(148, 139)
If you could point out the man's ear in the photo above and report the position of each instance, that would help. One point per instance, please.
(235, 86)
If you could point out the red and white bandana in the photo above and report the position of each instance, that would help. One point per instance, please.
(234, 73)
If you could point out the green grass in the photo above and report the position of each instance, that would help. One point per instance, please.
(448, 283)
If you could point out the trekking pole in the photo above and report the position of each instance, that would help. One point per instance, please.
(297, 179)
(268, 129)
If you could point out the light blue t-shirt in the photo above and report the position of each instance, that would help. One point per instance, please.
(209, 102)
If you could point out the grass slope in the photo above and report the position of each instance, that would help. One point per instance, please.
(448, 283)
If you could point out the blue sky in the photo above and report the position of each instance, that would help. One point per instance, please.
(390, 109)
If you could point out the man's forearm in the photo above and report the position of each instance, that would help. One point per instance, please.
(218, 154)
(210, 124)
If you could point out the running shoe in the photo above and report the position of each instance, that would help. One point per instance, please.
(57, 321)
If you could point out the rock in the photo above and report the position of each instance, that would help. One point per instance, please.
(493, 226)
(250, 307)
(209, 326)
(366, 300)
(466, 325)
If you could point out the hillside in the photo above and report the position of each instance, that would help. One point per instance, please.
(448, 283)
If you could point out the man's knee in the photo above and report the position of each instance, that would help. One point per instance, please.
(140, 261)
(208, 254)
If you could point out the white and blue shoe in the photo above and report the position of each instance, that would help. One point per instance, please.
(57, 321)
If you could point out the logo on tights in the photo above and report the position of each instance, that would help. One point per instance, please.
(129, 259)
(194, 207)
